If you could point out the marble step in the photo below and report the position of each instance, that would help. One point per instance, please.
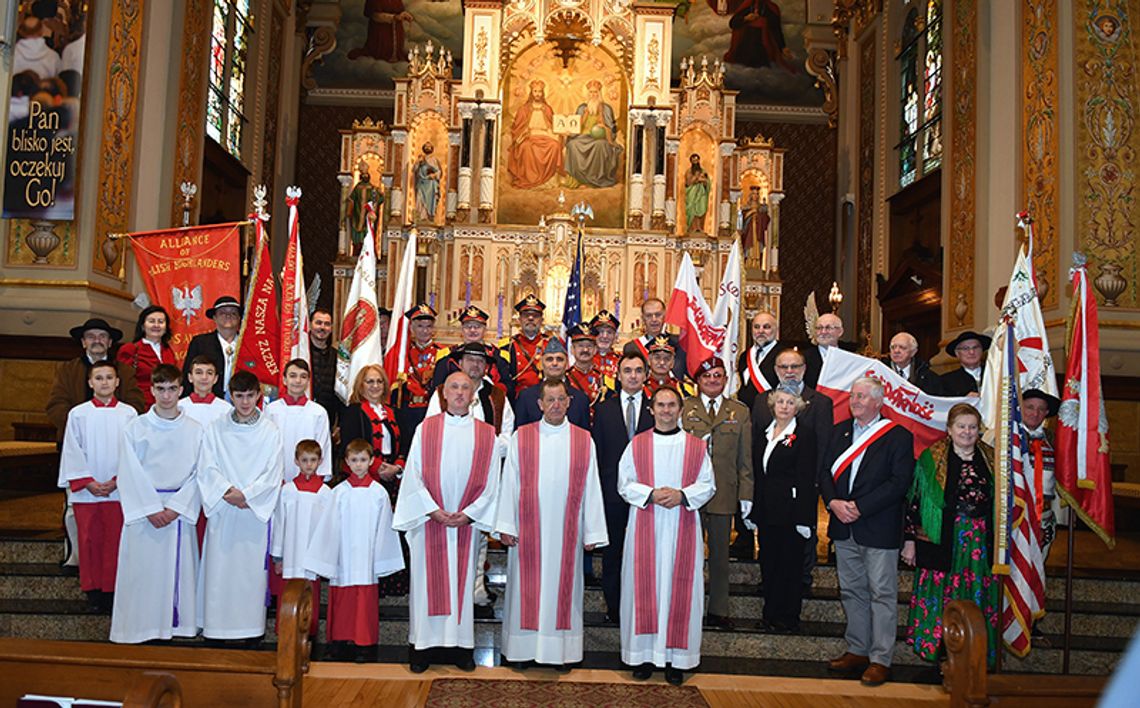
(1092, 655)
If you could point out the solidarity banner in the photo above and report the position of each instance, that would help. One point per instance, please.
(903, 402)
(185, 270)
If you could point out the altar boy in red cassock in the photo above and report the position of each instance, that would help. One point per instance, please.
(353, 546)
(88, 468)
(450, 488)
(666, 476)
(550, 507)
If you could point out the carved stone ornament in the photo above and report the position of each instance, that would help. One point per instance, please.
(1110, 283)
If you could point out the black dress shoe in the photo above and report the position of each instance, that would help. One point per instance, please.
(674, 676)
(418, 666)
(418, 661)
(465, 660)
(643, 672)
(71, 571)
(94, 601)
(720, 622)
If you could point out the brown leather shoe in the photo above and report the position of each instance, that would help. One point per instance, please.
(876, 675)
(848, 663)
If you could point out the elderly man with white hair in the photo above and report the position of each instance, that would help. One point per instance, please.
(903, 360)
(828, 331)
(865, 475)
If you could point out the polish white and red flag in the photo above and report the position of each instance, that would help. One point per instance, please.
(360, 327)
(700, 335)
(727, 315)
(396, 348)
(294, 298)
(903, 402)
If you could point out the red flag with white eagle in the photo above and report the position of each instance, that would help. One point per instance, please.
(294, 300)
(688, 310)
(1084, 475)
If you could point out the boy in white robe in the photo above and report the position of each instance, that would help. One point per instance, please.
(240, 481)
(449, 489)
(666, 476)
(353, 546)
(156, 587)
(299, 418)
(88, 468)
(550, 507)
(302, 505)
(203, 407)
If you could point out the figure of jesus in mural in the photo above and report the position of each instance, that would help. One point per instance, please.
(536, 153)
(696, 195)
(385, 40)
(427, 173)
(593, 156)
(757, 35)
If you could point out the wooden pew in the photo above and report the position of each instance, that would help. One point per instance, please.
(969, 685)
(208, 677)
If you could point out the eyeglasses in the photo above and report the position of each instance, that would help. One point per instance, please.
(826, 328)
(789, 367)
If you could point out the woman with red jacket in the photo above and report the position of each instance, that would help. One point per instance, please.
(150, 348)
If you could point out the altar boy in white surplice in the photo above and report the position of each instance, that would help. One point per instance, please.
(450, 488)
(666, 476)
(155, 590)
(240, 481)
(550, 507)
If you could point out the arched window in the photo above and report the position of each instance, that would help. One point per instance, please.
(920, 97)
(230, 35)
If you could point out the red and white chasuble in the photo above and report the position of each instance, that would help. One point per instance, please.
(452, 466)
(551, 500)
(662, 583)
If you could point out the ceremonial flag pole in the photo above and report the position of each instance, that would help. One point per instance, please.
(259, 340)
(294, 300)
(396, 352)
(360, 327)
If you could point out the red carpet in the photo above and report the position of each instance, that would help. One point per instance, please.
(473, 693)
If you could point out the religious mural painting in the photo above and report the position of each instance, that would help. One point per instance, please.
(564, 133)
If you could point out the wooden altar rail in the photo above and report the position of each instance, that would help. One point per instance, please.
(970, 686)
(208, 677)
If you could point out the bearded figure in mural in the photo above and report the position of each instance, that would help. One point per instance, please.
(535, 151)
(385, 40)
(757, 35)
(593, 156)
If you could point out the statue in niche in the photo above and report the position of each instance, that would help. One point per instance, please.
(593, 156)
(536, 153)
(355, 215)
(696, 195)
(427, 172)
(755, 220)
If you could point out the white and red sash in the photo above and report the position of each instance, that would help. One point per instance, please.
(645, 547)
(876, 431)
(439, 596)
(758, 381)
(642, 346)
(530, 533)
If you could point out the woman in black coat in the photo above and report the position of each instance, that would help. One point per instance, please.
(783, 508)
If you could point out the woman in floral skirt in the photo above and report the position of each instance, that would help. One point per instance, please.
(949, 534)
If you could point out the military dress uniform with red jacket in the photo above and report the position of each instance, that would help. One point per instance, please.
(410, 396)
(524, 354)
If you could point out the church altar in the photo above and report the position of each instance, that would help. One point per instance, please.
(565, 124)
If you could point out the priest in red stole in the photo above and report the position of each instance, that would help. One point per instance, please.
(666, 476)
(450, 488)
(550, 508)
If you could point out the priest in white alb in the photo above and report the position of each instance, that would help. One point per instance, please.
(550, 508)
(666, 476)
(450, 487)
(240, 481)
(155, 589)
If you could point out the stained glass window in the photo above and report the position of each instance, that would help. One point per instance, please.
(230, 34)
(920, 97)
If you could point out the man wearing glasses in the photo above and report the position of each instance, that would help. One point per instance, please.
(828, 330)
(220, 345)
(970, 350)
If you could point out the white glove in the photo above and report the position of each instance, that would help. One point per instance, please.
(749, 525)
(745, 507)
(804, 531)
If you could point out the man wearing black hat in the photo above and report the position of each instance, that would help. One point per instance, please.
(554, 363)
(71, 389)
(1036, 407)
(584, 375)
(220, 345)
(411, 396)
(605, 326)
(472, 327)
(970, 350)
(523, 352)
(662, 368)
(383, 322)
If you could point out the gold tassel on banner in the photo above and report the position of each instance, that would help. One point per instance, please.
(122, 254)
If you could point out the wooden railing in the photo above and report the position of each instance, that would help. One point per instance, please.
(970, 686)
(208, 677)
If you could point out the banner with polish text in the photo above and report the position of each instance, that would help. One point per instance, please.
(185, 270)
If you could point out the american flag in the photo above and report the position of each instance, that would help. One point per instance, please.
(572, 307)
(1017, 529)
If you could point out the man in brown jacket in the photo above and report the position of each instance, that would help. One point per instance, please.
(727, 427)
(70, 389)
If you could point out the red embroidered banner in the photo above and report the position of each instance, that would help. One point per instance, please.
(259, 341)
(185, 270)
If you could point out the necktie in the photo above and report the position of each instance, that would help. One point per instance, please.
(712, 408)
(630, 417)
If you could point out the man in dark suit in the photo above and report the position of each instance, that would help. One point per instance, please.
(554, 364)
(969, 348)
(864, 479)
(828, 331)
(219, 345)
(653, 324)
(616, 420)
(903, 359)
(759, 359)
